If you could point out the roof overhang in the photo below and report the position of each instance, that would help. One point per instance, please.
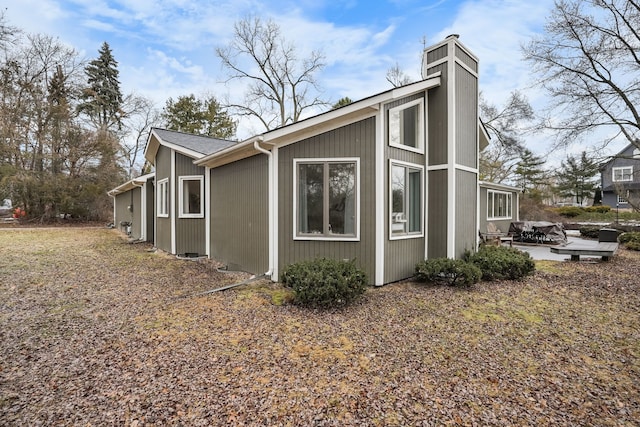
(315, 125)
(131, 184)
(496, 186)
(154, 141)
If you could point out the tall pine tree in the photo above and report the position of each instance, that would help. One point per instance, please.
(529, 171)
(103, 97)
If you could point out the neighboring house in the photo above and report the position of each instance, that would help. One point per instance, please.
(387, 181)
(133, 211)
(499, 204)
(620, 178)
(180, 196)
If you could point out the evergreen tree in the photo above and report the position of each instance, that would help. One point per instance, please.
(103, 97)
(200, 117)
(529, 171)
(576, 177)
(342, 102)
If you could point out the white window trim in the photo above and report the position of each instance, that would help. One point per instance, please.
(509, 201)
(161, 183)
(337, 237)
(407, 235)
(421, 131)
(181, 212)
(622, 200)
(621, 168)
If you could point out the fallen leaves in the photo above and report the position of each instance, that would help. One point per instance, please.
(94, 331)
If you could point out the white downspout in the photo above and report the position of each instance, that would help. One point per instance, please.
(271, 220)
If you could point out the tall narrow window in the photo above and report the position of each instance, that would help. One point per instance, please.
(190, 196)
(406, 126)
(326, 198)
(163, 198)
(499, 205)
(406, 200)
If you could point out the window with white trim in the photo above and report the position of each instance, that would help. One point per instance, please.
(327, 199)
(191, 196)
(406, 126)
(163, 198)
(498, 205)
(622, 200)
(622, 174)
(405, 200)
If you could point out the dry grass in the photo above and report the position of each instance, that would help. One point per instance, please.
(93, 332)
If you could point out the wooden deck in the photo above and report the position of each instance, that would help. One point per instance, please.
(603, 249)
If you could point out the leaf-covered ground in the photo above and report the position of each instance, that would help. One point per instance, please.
(93, 332)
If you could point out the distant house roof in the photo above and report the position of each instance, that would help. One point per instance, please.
(194, 146)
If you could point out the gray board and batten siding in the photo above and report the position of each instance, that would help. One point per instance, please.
(122, 202)
(239, 214)
(452, 154)
(356, 140)
(163, 224)
(501, 224)
(401, 255)
(190, 232)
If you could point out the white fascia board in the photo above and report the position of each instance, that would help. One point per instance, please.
(496, 186)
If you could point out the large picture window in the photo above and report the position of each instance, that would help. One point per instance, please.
(623, 174)
(498, 205)
(326, 198)
(191, 195)
(405, 200)
(163, 198)
(406, 128)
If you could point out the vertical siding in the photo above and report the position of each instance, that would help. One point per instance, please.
(466, 207)
(466, 118)
(163, 226)
(502, 225)
(151, 208)
(121, 202)
(190, 232)
(239, 214)
(437, 121)
(354, 140)
(401, 255)
(136, 215)
(437, 221)
(437, 54)
(466, 58)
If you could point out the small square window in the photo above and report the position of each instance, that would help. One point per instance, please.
(406, 128)
(191, 196)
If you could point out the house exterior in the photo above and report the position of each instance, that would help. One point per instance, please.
(133, 211)
(499, 204)
(180, 210)
(620, 178)
(386, 181)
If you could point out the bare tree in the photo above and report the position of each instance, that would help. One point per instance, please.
(588, 60)
(506, 126)
(140, 116)
(397, 77)
(281, 86)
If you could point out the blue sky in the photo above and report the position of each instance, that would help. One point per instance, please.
(165, 48)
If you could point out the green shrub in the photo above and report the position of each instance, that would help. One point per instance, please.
(501, 262)
(590, 231)
(629, 237)
(569, 211)
(633, 245)
(598, 208)
(324, 282)
(452, 272)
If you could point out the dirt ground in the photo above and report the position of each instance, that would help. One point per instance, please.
(97, 331)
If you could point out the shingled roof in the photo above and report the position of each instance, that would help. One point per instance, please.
(194, 146)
